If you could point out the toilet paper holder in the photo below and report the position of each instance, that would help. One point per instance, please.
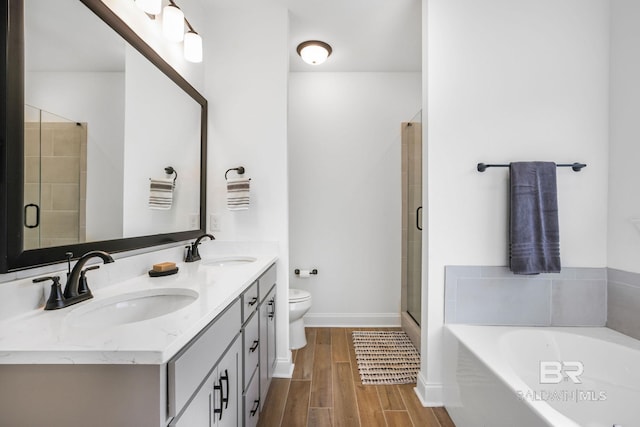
(314, 271)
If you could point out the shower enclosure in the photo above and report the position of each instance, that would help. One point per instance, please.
(55, 171)
(412, 227)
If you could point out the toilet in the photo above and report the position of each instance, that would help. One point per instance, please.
(299, 304)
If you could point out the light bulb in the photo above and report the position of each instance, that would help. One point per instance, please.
(172, 23)
(193, 47)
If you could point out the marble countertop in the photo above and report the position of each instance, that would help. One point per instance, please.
(52, 337)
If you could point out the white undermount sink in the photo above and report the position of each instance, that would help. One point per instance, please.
(228, 261)
(131, 307)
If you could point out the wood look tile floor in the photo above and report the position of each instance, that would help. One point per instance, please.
(326, 391)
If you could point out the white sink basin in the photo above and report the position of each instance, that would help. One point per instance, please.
(132, 307)
(228, 261)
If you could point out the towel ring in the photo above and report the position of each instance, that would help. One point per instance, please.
(239, 169)
(169, 170)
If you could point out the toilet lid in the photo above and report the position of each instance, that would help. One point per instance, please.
(297, 295)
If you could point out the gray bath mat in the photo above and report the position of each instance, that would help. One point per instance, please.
(386, 357)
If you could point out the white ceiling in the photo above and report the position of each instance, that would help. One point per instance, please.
(366, 35)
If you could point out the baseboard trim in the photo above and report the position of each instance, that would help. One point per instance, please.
(283, 368)
(352, 319)
(430, 394)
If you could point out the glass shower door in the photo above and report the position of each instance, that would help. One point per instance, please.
(55, 151)
(413, 211)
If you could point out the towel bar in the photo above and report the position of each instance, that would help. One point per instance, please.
(577, 167)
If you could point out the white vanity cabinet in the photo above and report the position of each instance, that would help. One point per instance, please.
(200, 366)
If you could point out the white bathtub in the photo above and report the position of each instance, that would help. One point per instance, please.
(493, 377)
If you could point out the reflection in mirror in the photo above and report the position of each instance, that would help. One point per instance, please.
(127, 118)
(55, 161)
(93, 118)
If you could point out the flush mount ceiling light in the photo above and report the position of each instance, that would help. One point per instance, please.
(314, 52)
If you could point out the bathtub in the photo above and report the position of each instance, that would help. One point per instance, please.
(541, 376)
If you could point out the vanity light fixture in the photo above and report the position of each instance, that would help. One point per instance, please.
(314, 52)
(152, 7)
(173, 22)
(192, 45)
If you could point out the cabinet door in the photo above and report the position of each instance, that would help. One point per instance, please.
(252, 403)
(227, 402)
(198, 412)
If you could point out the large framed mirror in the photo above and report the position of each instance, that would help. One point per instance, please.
(103, 142)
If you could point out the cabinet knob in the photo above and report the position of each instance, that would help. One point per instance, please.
(255, 345)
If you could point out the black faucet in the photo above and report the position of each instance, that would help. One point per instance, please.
(74, 276)
(192, 251)
(76, 289)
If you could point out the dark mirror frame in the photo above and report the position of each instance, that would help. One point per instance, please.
(12, 255)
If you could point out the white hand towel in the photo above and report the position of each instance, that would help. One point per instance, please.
(160, 193)
(238, 193)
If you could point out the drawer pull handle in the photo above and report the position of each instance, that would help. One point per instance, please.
(218, 411)
(253, 301)
(225, 378)
(256, 405)
(272, 304)
(255, 345)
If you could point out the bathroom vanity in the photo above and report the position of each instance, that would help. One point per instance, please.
(207, 363)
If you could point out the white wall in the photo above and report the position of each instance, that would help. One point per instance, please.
(624, 201)
(162, 128)
(246, 85)
(509, 80)
(73, 96)
(345, 192)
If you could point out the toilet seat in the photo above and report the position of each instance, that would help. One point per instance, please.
(298, 295)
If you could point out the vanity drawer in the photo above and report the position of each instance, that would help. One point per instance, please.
(192, 364)
(252, 403)
(249, 301)
(251, 348)
(266, 281)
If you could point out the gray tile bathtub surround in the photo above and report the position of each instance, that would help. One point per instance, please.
(495, 296)
(623, 302)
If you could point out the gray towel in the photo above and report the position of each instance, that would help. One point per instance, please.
(534, 231)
